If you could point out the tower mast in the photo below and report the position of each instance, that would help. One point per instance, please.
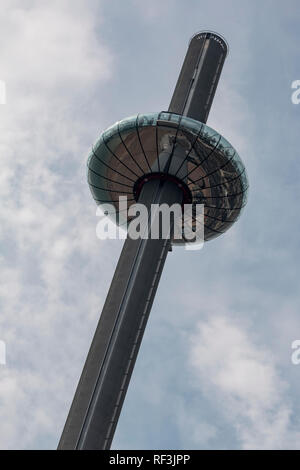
(133, 155)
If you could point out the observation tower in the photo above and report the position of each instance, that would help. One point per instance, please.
(169, 157)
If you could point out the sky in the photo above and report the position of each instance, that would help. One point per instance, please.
(214, 370)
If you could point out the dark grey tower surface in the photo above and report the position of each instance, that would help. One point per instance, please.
(199, 76)
(168, 157)
(105, 378)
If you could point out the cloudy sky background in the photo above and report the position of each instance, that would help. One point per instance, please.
(214, 370)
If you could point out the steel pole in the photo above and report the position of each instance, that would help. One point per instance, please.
(101, 390)
(98, 400)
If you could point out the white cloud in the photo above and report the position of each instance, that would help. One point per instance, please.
(244, 384)
(52, 44)
(52, 60)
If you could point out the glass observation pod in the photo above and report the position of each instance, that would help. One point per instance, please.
(129, 152)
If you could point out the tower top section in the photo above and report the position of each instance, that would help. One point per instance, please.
(213, 36)
(175, 146)
(199, 76)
